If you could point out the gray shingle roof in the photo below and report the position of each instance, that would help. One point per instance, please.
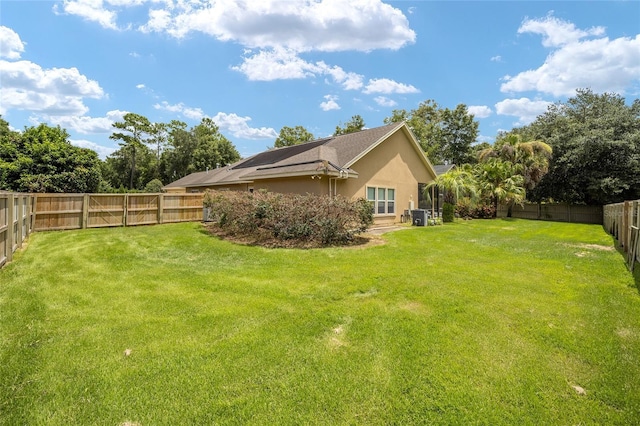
(333, 153)
(442, 168)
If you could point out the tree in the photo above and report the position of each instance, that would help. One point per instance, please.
(176, 158)
(200, 148)
(158, 139)
(596, 149)
(137, 129)
(459, 132)
(445, 135)
(530, 159)
(212, 150)
(41, 159)
(499, 182)
(424, 122)
(116, 169)
(354, 125)
(290, 136)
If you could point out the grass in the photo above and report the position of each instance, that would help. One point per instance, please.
(480, 322)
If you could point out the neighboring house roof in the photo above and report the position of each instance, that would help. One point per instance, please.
(443, 168)
(332, 156)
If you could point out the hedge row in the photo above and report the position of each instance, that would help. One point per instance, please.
(307, 220)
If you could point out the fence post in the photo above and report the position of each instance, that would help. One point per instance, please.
(160, 208)
(85, 210)
(626, 226)
(18, 220)
(34, 213)
(29, 214)
(10, 201)
(125, 209)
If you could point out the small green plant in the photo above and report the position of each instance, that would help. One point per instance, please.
(447, 212)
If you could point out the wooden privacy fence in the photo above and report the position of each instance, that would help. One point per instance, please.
(622, 220)
(558, 212)
(16, 222)
(78, 211)
(21, 214)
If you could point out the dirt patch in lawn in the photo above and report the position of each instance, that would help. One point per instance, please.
(592, 247)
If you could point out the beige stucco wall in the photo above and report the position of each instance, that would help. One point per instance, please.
(392, 164)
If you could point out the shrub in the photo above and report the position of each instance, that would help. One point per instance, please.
(289, 219)
(466, 209)
(447, 212)
(154, 186)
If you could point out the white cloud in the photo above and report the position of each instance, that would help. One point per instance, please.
(180, 108)
(279, 30)
(348, 80)
(159, 20)
(387, 86)
(239, 127)
(601, 64)
(330, 103)
(277, 64)
(496, 58)
(85, 124)
(480, 111)
(55, 91)
(384, 101)
(103, 151)
(524, 108)
(140, 86)
(285, 64)
(91, 10)
(11, 47)
(325, 25)
(328, 25)
(556, 32)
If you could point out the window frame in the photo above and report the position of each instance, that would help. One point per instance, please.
(383, 200)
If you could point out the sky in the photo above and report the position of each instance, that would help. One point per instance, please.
(256, 66)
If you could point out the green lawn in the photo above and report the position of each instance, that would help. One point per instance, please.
(480, 322)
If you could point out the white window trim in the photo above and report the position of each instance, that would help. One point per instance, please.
(386, 200)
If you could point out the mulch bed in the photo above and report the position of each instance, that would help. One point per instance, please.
(361, 241)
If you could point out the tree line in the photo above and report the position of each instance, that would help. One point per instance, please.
(585, 150)
(41, 158)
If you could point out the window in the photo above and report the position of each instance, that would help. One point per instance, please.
(383, 200)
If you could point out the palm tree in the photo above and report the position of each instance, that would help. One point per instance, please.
(530, 159)
(499, 182)
(454, 184)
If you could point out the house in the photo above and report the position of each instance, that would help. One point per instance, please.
(385, 165)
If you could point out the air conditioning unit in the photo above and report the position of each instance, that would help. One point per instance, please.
(419, 217)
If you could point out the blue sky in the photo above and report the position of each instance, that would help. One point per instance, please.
(256, 66)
